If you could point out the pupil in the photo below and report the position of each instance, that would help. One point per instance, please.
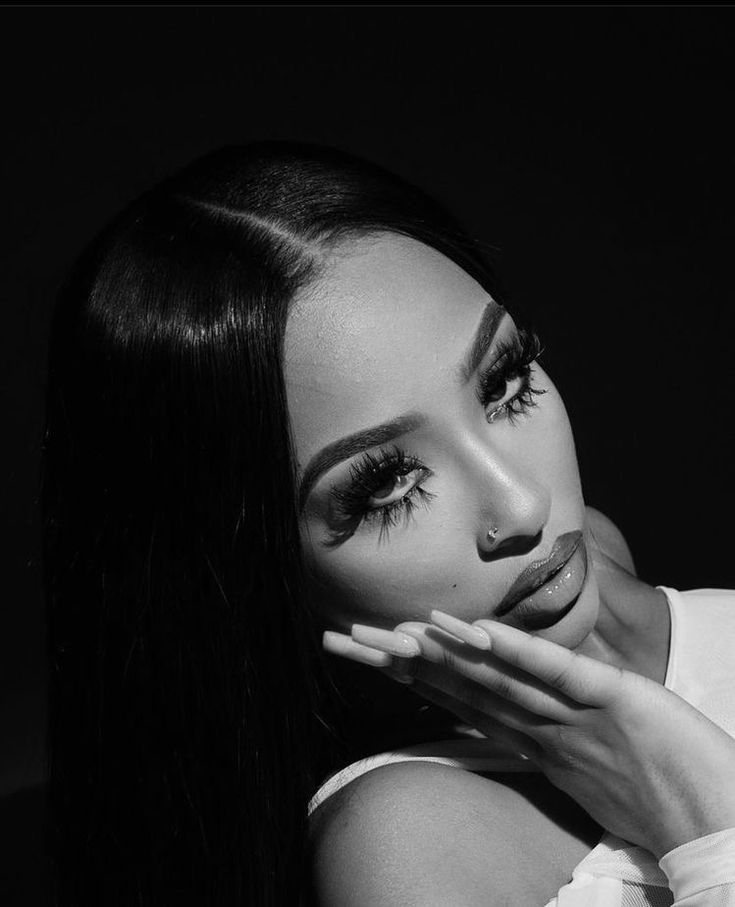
(496, 394)
(385, 489)
(389, 486)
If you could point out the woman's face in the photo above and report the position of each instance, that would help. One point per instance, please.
(382, 338)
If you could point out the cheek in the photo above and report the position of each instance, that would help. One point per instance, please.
(404, 577)
(554, 444)
(381, 585)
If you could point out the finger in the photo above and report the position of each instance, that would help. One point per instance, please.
(466, 632)
(495, 712)
(437, 670)
(493, 674)
(399, 674)
(391, 641)
(513, 741)
(478, 699)
(346, 647)
(583, 679)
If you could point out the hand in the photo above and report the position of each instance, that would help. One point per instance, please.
(639, 759)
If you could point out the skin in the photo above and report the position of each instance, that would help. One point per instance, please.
(381, 333)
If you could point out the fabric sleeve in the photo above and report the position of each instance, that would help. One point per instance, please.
(701, 873)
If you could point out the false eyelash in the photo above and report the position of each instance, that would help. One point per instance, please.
(520, 403)
(367, 476)
(513, 360)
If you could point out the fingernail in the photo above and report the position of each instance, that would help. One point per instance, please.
(496, 627)
(392, 641)
(466, 632)
(340, 644)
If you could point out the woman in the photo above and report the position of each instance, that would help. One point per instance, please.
(212, 502)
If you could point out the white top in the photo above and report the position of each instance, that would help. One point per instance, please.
(616, 873)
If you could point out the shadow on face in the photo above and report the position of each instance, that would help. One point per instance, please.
(414, 434)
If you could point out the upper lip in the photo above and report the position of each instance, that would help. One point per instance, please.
(538, 572)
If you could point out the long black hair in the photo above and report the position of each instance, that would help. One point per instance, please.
(191, 715)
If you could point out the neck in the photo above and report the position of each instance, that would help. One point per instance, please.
(633, 628)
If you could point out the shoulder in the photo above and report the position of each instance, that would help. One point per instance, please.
(609, 539)
(413, 833)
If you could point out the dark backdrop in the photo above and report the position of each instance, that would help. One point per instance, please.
(592, 145)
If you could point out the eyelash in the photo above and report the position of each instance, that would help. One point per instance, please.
(367, 476)
(372, 472)
(513, 360)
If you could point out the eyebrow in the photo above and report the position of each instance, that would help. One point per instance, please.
(492, 315)
(350, 445)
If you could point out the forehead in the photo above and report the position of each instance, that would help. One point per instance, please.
(379, 334)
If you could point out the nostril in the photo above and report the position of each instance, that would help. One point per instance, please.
(514, 544)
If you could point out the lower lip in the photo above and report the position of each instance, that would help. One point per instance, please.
(548, 604)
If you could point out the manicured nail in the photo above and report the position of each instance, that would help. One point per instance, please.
(392, 641)
(340, 644)
(504, 631)
(466, 632)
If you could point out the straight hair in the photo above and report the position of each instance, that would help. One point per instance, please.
(192, 712)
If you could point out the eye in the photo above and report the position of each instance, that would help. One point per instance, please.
(513, 363)
(497, 393)
(381, 490)
(395, 488)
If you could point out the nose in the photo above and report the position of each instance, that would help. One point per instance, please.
(513, 499)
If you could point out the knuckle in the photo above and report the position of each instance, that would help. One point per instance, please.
(504, 686)
(448, 660)
(630, 690)
(562, 746)
(563, 677)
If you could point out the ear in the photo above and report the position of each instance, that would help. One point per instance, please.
(609, 539)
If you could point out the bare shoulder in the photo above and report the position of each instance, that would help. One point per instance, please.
(609, 538)
(422, 833)
(408, 833)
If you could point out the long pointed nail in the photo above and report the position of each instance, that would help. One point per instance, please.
(340, 644)
(466, 632)
(392, 641)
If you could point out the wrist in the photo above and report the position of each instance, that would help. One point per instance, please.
(664, 843)
(701, 864)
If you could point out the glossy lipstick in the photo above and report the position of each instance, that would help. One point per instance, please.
(539, 590)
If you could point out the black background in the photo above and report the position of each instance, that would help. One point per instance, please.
(592, 145)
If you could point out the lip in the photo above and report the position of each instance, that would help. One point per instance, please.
(545, 607)
(539, 572)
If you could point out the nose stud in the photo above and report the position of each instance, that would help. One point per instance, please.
(492, 533)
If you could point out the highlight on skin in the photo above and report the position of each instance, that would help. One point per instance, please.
(216, 356)
(397, 525)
